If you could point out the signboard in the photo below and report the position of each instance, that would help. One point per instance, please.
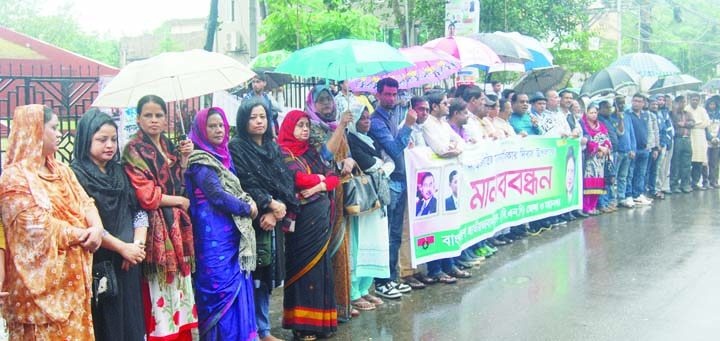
(457, 202)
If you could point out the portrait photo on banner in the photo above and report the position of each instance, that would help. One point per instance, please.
(450, 189)
(427, 191)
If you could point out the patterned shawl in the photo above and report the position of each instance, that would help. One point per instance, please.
(154, 172)
(231, 184)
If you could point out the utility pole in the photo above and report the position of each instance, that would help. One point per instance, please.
(253, 28)
(407, 24)
(620, 37)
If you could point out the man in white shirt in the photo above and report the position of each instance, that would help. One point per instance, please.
(421, 107)
(437, 132)
(345, 99)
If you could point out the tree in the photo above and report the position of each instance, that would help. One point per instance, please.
(572, 52)
(60, 29)
(294, 24)
(686, 32)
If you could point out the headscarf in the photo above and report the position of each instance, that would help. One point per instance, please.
(327, 122)
(114, 198)
(23, 189)
(357, 111)
(286, 138)
(23, 151)
(198, 134)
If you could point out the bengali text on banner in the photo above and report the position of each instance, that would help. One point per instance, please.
(457, 202)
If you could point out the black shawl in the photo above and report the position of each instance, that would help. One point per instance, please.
(114, 197)
(116, 202)
(263, 174)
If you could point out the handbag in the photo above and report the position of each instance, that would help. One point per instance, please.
(263, 242)
(382, 187)
(104, 283)
(359, 195)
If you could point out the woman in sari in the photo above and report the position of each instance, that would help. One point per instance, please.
(327, 136)
(369, 243)
(155, 166)
(52, 226)
(309, 304)
(258, 163)
(224, 239)
(596, 153)
(97, 168)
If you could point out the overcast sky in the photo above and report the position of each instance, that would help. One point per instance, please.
(130, 17)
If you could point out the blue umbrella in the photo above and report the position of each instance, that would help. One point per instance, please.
(344, 59)
(647, 64)
(541, 56)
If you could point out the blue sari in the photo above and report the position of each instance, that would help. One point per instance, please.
(223, 288)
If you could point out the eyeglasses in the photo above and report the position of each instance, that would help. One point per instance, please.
(323, 99)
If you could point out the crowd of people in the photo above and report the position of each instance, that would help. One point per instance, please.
(167, 237)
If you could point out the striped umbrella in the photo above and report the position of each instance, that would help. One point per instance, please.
(647, 64)
(429, 66)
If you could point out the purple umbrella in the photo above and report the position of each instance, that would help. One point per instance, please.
(430, 66)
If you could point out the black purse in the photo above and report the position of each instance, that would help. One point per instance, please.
(359, 195)
(382, 187)
(104, 284)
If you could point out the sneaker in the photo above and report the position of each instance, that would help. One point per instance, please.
(401, 287)
(387, 290)
(642, 200)
(627, 203)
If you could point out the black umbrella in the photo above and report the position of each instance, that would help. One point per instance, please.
(540, 80)
(674, 83)
(712, 84)
(609, 80)
(273, 79)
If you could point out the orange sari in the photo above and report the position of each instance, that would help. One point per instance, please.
(48, 273)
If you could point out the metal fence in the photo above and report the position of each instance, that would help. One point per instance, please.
(69, 91)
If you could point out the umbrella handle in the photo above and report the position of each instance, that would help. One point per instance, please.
(178, 110)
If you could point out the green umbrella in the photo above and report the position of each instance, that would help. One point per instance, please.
(269, 59)
(344, 59)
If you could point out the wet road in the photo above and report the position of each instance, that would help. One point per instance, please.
(650, 273)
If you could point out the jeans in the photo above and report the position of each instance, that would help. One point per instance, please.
(652, 170)
(396, 215)
(262, 310)
(441, 265)
(640, 172)
(681, 164)
(699, 173)
(622, 164)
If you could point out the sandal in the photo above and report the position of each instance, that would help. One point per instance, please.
(413, 283)
(362, 304)
(304, 336)
(427, 280)
(374, 300)
(457, 273)
(444, 278)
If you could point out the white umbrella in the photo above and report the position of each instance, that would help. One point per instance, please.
(173, 76)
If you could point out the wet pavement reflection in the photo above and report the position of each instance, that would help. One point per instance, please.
(651, 273)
